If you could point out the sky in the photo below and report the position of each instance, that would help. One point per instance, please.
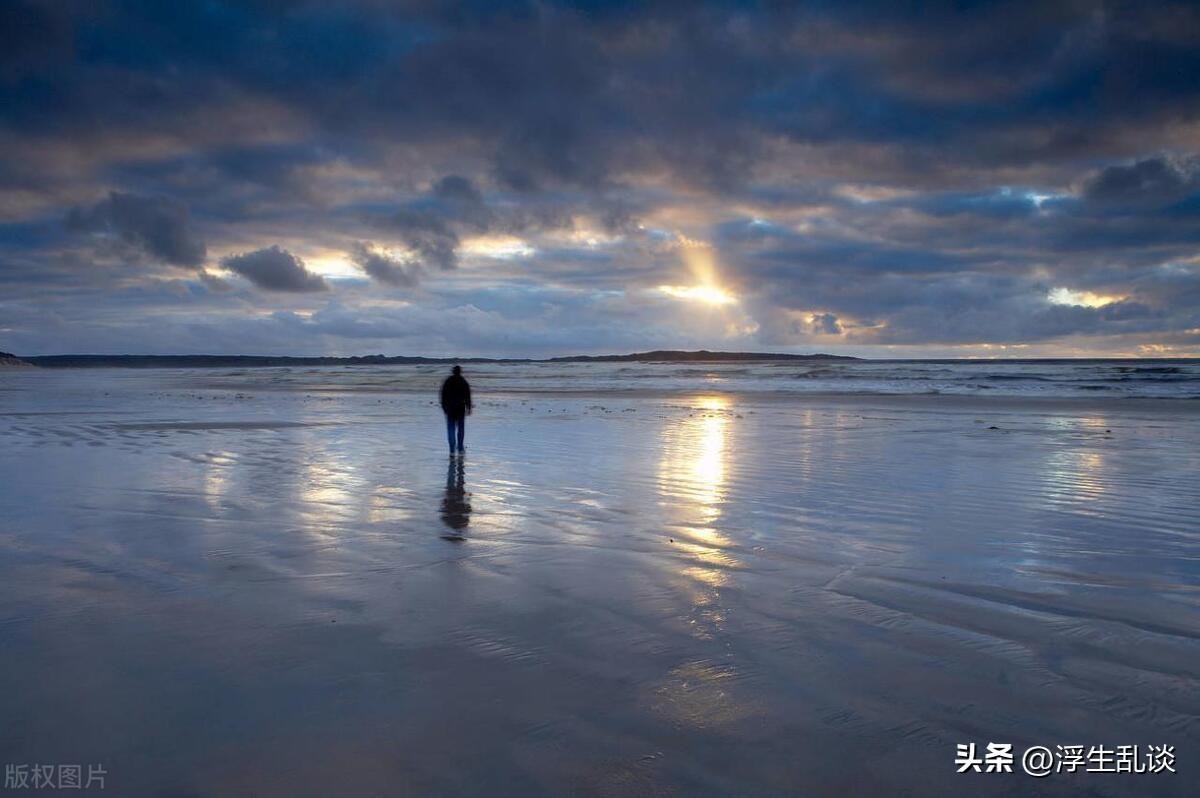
(884, 179)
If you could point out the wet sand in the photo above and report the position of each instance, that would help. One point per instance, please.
(236, 591)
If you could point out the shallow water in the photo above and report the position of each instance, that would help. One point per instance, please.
(239, 583)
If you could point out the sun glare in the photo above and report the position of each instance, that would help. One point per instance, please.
(332, 265)
(707, 294)
(499, 247)
(1065, 296)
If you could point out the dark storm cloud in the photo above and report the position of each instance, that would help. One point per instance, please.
(862, 170)
(33, 36)
(431, 225)
(1151, 182)
(275, 269)
(563, 95)
(158, 225)
(385, 269)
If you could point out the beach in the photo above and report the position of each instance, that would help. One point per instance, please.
(275, 582)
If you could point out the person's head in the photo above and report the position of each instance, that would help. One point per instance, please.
(456, 370)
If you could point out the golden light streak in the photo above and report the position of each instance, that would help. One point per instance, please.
(700, 260)
(701, 293)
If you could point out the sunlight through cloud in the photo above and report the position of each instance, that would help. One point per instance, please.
(1087, 299)
(707, 294)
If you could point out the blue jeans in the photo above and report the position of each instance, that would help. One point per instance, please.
(456, 428)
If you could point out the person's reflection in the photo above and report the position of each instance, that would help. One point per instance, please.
(456, 510)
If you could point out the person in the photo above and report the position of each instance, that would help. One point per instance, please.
(456, 404)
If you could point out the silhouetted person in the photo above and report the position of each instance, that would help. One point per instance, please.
(456, 510)
(456, 404)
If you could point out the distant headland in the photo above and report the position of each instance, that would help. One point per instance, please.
(253, 361)
(8, 359)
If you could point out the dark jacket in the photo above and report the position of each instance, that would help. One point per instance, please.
(456, 396)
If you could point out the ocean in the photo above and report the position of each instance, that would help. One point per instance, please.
(1167, 379)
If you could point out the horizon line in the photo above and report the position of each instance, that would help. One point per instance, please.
(644, 354)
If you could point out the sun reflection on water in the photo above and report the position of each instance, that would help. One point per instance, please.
(1075, 475)
(692, 477)
(692, 482)
(694, 454)
(326, 495)
(216, 477)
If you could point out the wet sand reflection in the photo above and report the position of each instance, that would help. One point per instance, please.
(692, 475)
(456, 505)
(692, 481)
(693, 465)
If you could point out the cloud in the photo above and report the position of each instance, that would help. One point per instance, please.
(275, 269)
(160, 226)
(855, 169)
(825, 324)
(431, 225)
(384, 268)
(214, 283)
(1154, 181)
(432, 237)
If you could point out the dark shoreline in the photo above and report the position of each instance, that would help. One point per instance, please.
(261, 361)
(657, 356)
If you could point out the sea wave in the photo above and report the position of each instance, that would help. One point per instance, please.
(1114, 378)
